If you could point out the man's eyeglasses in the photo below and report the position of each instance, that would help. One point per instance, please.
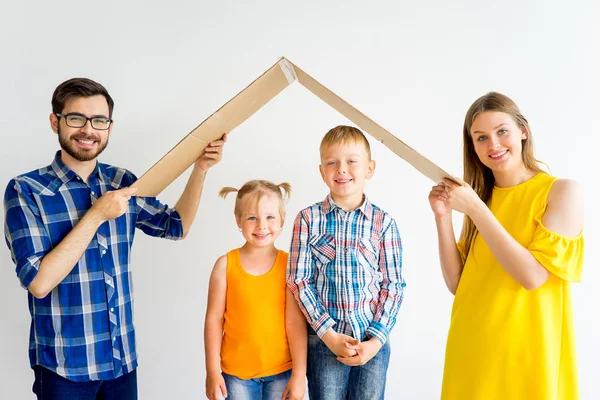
(79, 121)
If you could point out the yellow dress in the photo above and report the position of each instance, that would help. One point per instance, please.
(505, 342)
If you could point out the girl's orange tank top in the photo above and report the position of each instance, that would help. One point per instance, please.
(254, 340)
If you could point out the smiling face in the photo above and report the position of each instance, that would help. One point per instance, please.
(260, 221)
(344, 168)
(497, 141)
(86, 143)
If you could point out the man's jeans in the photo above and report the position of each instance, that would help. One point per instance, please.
(51, 386)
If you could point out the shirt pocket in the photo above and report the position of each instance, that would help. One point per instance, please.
(322, 248)
(368, 256)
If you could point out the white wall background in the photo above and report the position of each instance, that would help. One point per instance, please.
(414, 67)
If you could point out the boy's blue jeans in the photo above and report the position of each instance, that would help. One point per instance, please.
(265, 388)
(329, 379)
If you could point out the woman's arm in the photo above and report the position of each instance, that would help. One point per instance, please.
(450, 259)
(564, 216)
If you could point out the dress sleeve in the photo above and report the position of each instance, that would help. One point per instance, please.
(561, 255)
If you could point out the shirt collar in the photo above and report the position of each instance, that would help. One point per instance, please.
(65, 174)
(366, 207)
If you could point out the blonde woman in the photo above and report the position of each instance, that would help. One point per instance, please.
(511, 333)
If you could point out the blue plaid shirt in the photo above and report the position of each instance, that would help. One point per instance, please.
(345, 269)
(82, 329)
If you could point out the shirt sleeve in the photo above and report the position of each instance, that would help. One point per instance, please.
(153, 217)
(300, 278)
(561, 255)
(24, 231)
(391, 292)
(157, 219)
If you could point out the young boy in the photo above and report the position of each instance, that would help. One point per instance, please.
(344, 269)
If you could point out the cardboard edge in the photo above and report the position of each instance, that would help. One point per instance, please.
(367, 124)
(145, 188)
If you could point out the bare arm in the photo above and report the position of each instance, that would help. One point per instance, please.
(59, 262)
(295, 326)
(187, 205)
(450, 259)
(564, 214)
(213, 329)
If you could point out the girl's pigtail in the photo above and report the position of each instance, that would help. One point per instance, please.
(226, 190)
(286, 188)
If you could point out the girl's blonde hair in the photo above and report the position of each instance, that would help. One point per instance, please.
(476, 173)
(257, 189)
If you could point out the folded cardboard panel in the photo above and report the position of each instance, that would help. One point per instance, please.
(250, 100)
(228, 117)
(418, 161)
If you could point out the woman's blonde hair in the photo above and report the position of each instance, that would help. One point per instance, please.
(257, 189)
(476, 173)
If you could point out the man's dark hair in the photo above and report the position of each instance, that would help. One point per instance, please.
(79, 87)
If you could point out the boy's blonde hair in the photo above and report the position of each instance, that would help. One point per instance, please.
(343, 134)
(257, 189)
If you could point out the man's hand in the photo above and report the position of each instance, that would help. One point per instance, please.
(215, 386)
(112, 204)
(295, 388)
(364, 351)
(337, 343)
(212, 154)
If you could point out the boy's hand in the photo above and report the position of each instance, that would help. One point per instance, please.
(337, 343)
(364, 351)
(215, 386)
(295, 388)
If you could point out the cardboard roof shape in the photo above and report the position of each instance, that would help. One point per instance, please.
(247, 102)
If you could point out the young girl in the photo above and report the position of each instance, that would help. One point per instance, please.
(253, 325)
(511, 332)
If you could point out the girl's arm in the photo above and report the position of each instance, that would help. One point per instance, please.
(213, 330)
(295, 326)
(564, 216)
(450, 259)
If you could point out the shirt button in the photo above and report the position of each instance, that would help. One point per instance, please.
(108, 281)
(93, 194)
(103, 251)
(112, 309)
(346, 250)
(114, 339)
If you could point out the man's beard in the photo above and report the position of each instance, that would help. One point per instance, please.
(81, 155)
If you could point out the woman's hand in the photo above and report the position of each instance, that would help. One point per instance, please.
(459, 197)
(437, 201)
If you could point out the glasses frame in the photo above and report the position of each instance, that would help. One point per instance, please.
(110, 121)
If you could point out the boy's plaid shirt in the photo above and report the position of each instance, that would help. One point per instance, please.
(345, 269)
